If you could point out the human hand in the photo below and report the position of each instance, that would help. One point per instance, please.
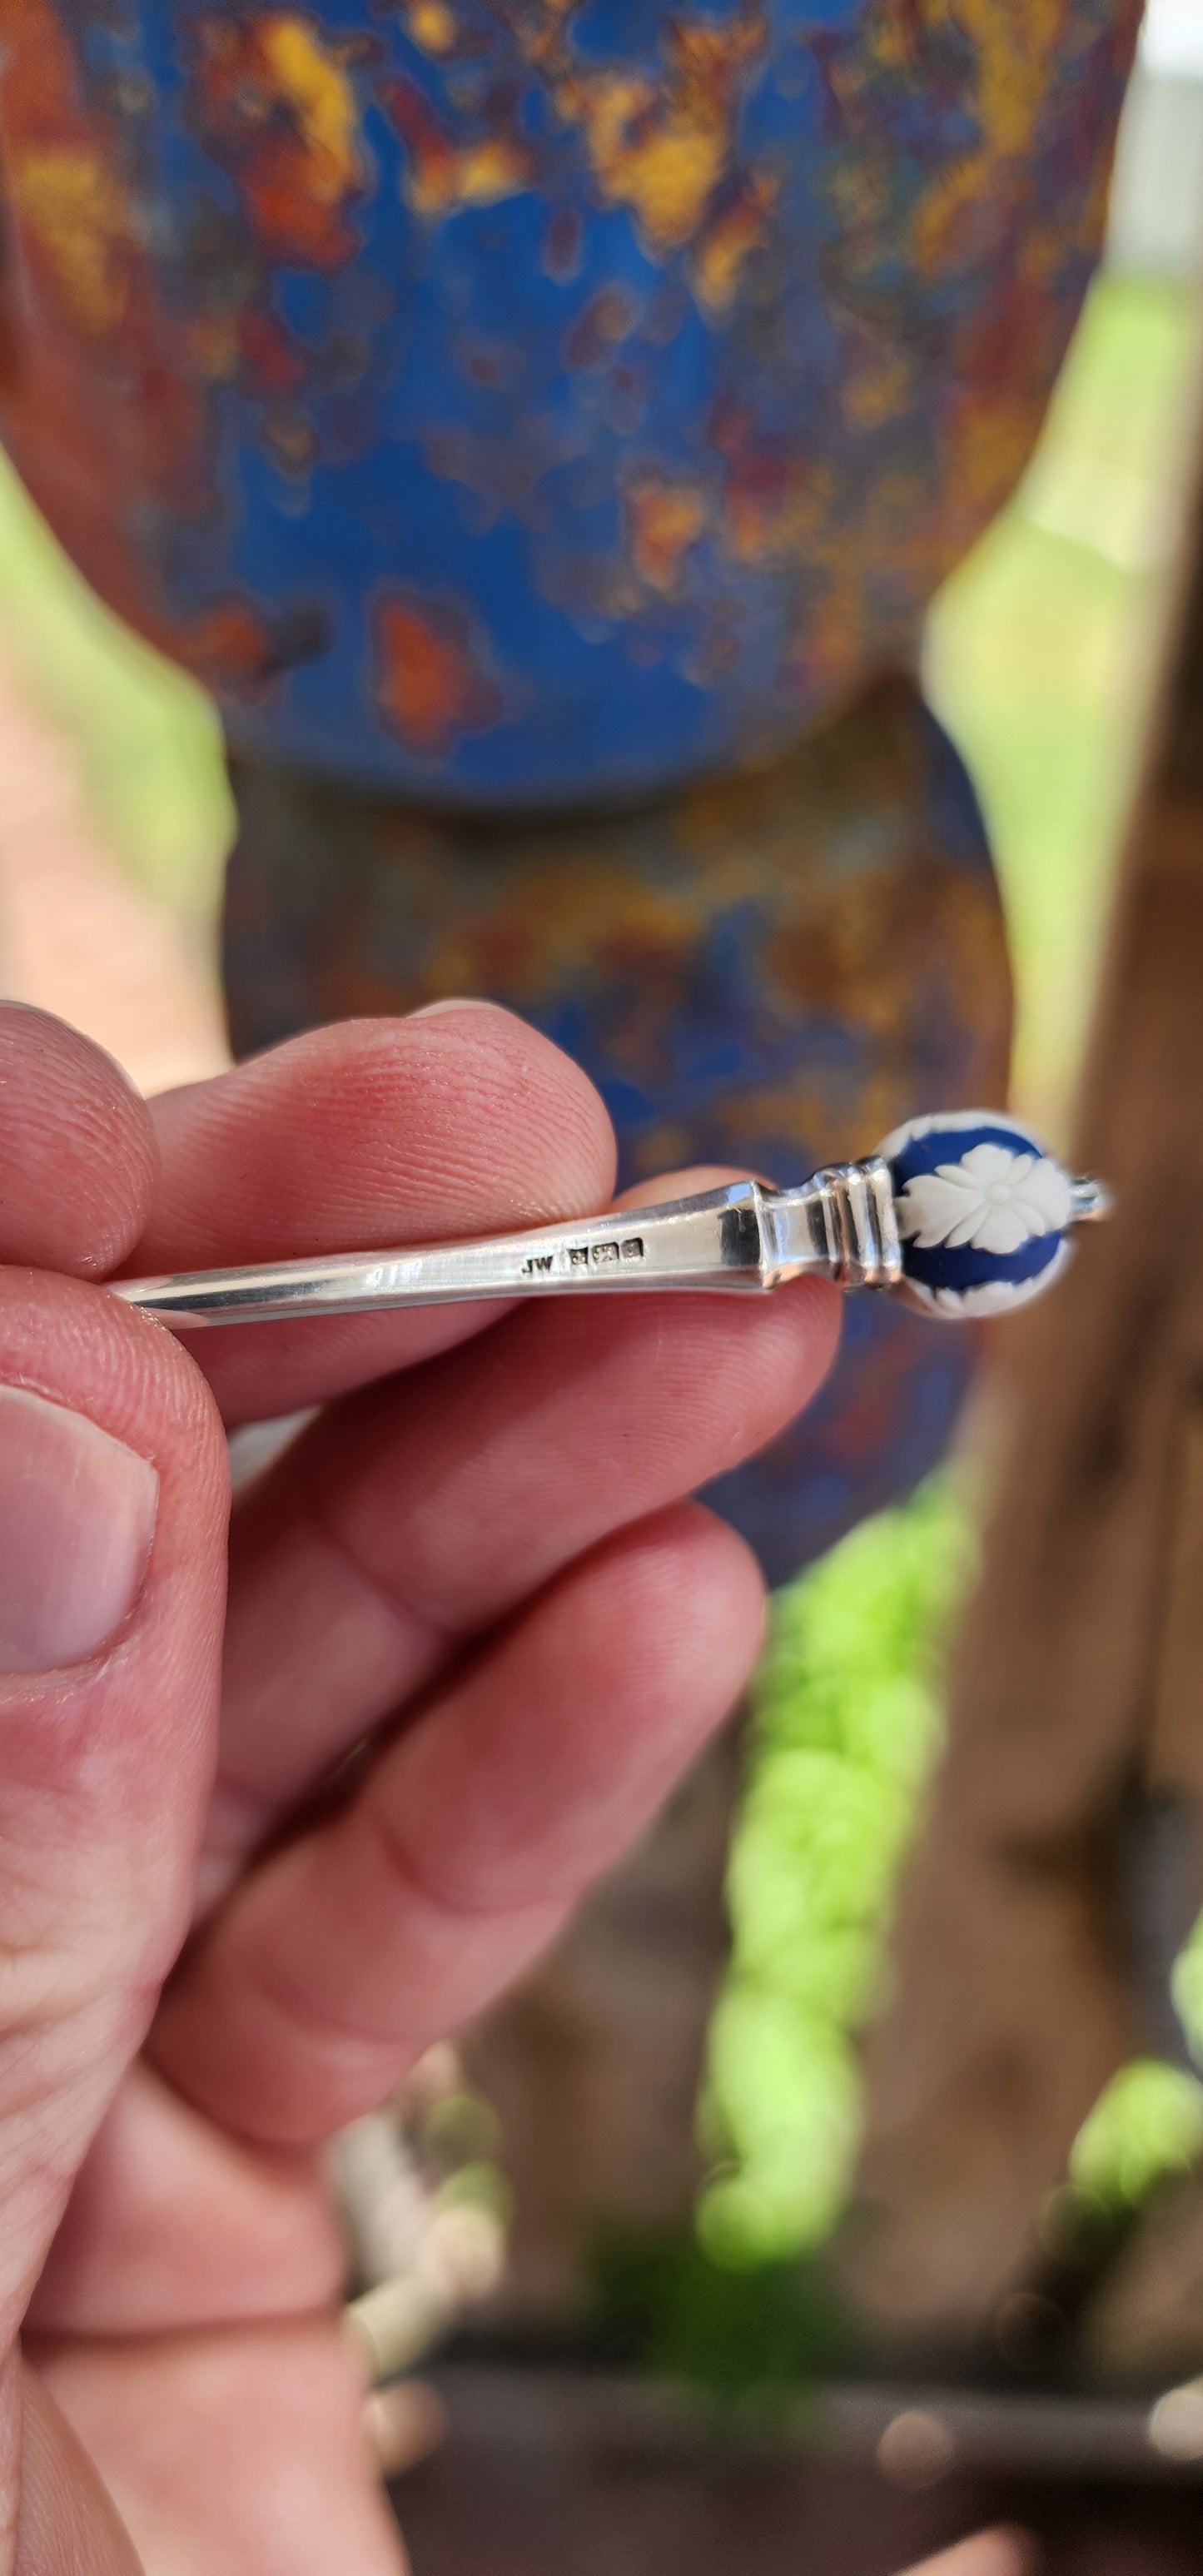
(990, 2553)
(471, 1590)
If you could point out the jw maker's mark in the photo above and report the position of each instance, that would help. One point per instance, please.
(586, 1256)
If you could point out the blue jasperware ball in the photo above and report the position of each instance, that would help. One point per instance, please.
(982, 1212)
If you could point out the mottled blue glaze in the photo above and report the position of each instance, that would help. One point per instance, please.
(760, 976)
(512, 403)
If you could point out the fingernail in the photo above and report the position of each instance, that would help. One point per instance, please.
(77, 1516)
(455, 1002)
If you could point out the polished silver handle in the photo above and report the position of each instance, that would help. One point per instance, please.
(741, 1239)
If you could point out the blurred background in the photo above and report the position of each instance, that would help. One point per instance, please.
(1043, 657)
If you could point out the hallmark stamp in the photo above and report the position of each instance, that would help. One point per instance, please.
(595, 1256)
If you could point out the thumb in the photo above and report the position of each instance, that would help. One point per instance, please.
(113, 1485)
(66, 2524)
(112, 1550)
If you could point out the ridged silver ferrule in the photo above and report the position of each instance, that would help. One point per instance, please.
(841, 1223)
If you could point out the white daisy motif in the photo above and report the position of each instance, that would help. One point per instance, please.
(991, 1200)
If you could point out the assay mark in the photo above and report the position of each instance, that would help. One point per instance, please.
(585, 1256)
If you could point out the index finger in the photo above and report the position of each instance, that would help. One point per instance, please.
(458, 1121)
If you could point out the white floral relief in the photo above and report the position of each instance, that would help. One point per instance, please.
(989, 1296)
(1000, 1296)
(991, 1201)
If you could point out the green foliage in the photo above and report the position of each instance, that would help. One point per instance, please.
(847, 1722)
(1146, 2128)
(146, 736)
(747, 2341)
